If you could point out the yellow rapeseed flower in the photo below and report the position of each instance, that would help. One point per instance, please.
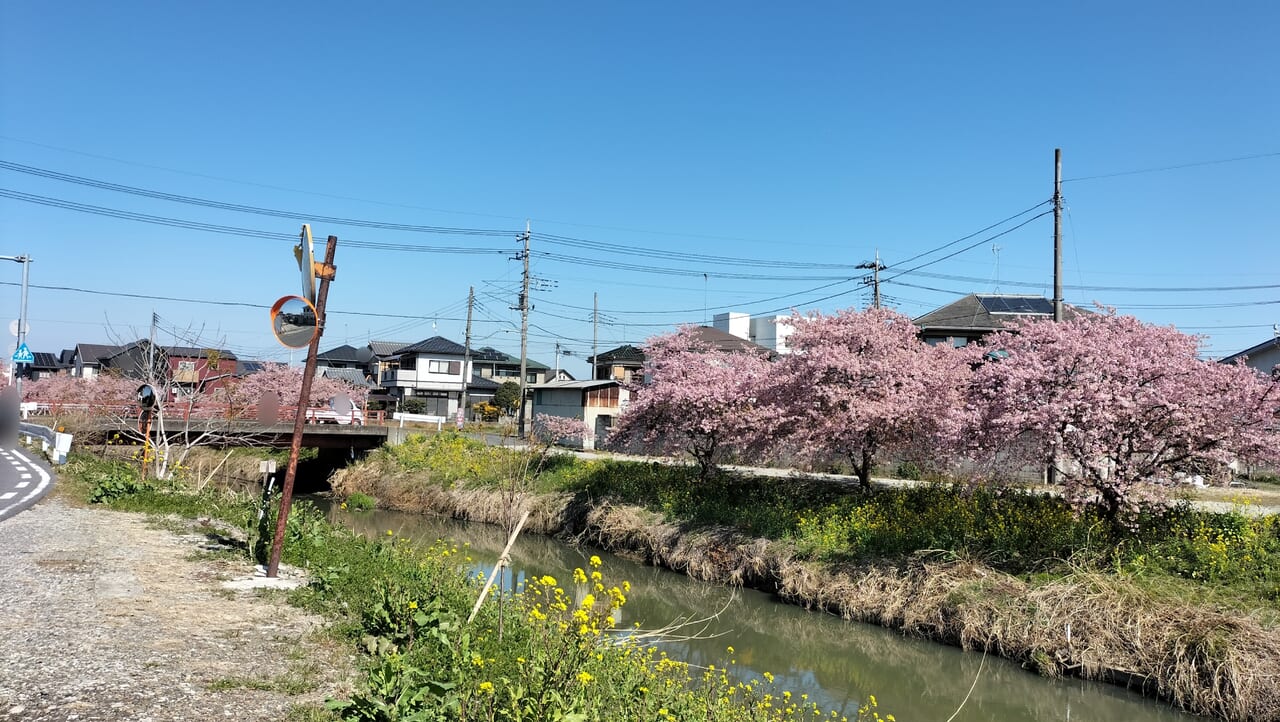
(486, 687)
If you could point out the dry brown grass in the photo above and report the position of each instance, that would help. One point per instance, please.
(1088, 624)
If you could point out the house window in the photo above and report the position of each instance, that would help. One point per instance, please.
(409, 363)
(509, 373)
(453, 368)
(603, 398)
(186, 367)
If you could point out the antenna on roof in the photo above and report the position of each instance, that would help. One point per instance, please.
(995, 248)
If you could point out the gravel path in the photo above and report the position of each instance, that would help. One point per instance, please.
(108, 618)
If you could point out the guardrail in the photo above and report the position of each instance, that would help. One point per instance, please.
(55, 444)
(420, 418)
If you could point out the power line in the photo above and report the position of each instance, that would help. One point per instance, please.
(997, 224)
(241, 208)
(235, 304)
(970, 247)
(1180, 166)
(1082, 287)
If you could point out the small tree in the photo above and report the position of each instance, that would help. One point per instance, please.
(1119, 406)
(860, 383)
(507, 397)
(550, 429)
(699, 400)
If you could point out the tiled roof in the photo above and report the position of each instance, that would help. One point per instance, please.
(386, 348)
(95, 353)
(480, 383)
(1251, 351)
(621, 353)
(987, 312)
(346, 353)
(489, 354)
(725, 341)
(355, 377)
(435, 344)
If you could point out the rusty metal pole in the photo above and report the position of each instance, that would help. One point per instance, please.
(300, 416)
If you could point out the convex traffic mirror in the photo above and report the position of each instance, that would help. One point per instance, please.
(293, 320)
(146, 397)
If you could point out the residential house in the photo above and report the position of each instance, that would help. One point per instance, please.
(491, 363)
(771, 332)
(619, 364)
(89, 359)
(596, 402)
(45, 365)
(383, 358)
(347, 356)
(976, 315)
(626, 363)
(430, 370)
(1264, 357)
(191, 370)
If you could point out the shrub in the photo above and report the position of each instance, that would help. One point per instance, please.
(361, 502)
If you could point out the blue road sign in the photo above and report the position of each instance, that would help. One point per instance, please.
(23, 355)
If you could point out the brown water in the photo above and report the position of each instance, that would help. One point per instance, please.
(837, 663)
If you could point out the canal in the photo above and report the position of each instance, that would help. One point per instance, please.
(837, 663)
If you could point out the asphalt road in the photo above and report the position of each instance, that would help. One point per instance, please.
(23, 480)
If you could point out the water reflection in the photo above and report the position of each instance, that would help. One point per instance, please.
(837, 663)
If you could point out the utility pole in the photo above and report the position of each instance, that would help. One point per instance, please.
(1052, 475)
(524, 327)
(1057, 234)
(876, 268)
(595, 332)
(25, 260)
(466, 354)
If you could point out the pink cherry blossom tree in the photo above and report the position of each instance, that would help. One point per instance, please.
(1118, 406)
(698, 399)
(243, 394)
(74, 391)
(859, 384)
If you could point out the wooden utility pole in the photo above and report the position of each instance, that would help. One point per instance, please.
(299, 419)
(466, 353)
(1057, 234)
(524, 328)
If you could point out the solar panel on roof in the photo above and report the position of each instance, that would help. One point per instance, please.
(1016, 304)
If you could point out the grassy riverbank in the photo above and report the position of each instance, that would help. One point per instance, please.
(547, 654)
(1183, 606)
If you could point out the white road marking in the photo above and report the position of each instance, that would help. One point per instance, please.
(25, 476)
(20, 468)
(45, 479)
(22, 485)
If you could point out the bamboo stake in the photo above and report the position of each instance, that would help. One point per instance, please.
(503, 560)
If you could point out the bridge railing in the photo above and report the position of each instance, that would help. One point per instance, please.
(188, 412)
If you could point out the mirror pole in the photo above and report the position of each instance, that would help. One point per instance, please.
(300, 417)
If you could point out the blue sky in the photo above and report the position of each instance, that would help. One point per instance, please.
(704, 136)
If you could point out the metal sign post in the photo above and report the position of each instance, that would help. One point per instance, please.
(308, 374)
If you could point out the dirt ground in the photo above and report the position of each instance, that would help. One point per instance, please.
(107, 617)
